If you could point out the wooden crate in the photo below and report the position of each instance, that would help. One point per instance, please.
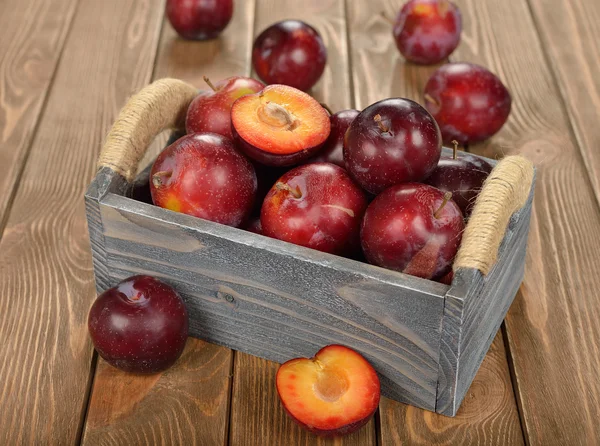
(277, 300)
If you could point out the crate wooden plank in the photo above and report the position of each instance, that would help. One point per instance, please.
(245, 290)
(475, 308)
(30, 47)
(551, 329)
(379, 72)
(198, 411)
(570, 34)
(488, 398)
(47, 283)
(258, 418)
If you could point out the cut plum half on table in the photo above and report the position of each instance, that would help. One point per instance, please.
(279, 126)
(335, 393)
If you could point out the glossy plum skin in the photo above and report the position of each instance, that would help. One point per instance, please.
(139, 326)
(463, 176)
(333, 149)
(290, 52)
(400, 232)
(210, 111)
(405, 145)
(469, 103)
(315, 205)
(199, 19)
(204, 175)
(427, 31)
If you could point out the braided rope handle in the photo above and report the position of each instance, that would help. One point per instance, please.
(504, 192)
(157, 107)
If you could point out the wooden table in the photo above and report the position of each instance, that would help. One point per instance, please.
(66, 68)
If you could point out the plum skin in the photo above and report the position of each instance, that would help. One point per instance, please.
(469, 103)
(427, 31)
(400, 231)
(390, 142)
(199, 19)
(140, 325)
(289, 52)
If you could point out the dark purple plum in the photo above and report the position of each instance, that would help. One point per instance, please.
(333, 149)
(290, 52)
(427, 31)
(199, 19)
(140, 326)
(390, 142)
(469, 102)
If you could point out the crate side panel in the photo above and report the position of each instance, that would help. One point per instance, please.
(279, 306)
(474, 310)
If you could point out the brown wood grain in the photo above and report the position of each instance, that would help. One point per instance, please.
(489, 398)
(201, 378)
(187, 404)
(570, 32)
(380, 72)
(258, 418)
(45, 268)
(552, 326)
(32, 35)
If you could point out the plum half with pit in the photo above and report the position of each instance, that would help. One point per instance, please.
(289, 52)
(279, 126)
(469, 102)
(334, 393)
(390, 142)
(140, 325)
(204, 175)
(427, 31)
(413, 228)
(316, 205)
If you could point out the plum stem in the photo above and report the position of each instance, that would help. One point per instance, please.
(387, 18)
(209, 83)
(157, 178)
(455, 150)
(286, 187)
(382, 126)
(447, 197)
(326, 107)
(277, 116)
(430, 98)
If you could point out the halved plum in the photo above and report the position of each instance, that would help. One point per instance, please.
(280, 125)
(335, 393)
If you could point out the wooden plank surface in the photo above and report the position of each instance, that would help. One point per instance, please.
(199, 413)
(490, 398)
(32, 35)
(45, 268)
(187, 404)
(552, 330)
(257, 417)
(379, 72)
(570, 33)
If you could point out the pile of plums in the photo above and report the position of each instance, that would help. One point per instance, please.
(370, 184)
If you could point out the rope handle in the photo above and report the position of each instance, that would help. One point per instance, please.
(157, 107)
(504, 192)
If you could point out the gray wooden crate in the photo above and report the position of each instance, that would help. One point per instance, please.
(276, 300)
